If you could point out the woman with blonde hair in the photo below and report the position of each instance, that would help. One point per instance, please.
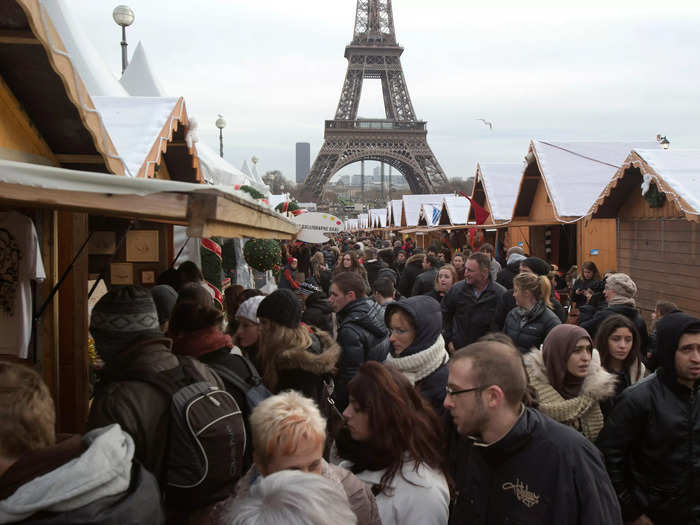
(532, 319)
(445, 278)
(297, 356)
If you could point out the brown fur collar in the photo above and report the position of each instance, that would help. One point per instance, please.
(599, 383)
(305, 358)
(414, 258)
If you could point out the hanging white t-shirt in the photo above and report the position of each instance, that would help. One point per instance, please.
(20, 263)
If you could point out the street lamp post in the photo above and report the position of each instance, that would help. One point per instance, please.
(124, 17)
(221, 124)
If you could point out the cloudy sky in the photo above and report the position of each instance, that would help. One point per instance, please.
(612, 70)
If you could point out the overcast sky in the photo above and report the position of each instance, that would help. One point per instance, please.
(614, 70)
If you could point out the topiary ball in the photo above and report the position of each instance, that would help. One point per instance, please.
(262, 254)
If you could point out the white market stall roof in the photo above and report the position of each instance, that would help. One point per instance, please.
(676, 172)
(500, 182)
(363, 220)
(412, 205)
(429, 214)
(377, 217)
(351, 224)
(208, 210)
(575, 173)
(395, 207)
(457, 209)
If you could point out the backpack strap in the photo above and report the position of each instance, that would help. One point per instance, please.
(230, 376)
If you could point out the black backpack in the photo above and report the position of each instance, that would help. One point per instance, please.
(252, 386)
(206, 436)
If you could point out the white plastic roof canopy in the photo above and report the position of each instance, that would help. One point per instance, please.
(679, 169)
(138, 78)
(412, 205)
(577, 172)
(501, 182)
(395, 208)
(377, 217)
(457, 208)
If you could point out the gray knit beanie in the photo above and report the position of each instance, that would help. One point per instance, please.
(122, 316)
(622, 284)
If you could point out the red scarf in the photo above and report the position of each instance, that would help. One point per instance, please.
(201, 342)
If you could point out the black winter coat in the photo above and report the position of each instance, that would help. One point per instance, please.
(528, 329)
(362, 336)
(651, 443)
(413, 268)
(318, 312)
(425, 282)
(541, 472)
(584, 284)
(508, 303)
(507, 274)
(373, 268)
(591, 325)
(465, 317)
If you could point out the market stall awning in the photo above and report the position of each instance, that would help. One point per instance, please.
(207, 210)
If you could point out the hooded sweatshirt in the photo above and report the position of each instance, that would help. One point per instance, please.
(93, 480)
(424, 361)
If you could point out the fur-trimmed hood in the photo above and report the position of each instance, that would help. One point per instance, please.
(320, 358)
(598, 385)
(418, 257)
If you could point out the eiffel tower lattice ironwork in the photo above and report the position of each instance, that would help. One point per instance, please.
(400, 140)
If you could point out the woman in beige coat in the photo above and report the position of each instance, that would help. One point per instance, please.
(569, 381)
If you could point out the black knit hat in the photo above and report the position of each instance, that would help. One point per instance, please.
(164, 296)
(282, 307)
(537, 265)
(122, 316)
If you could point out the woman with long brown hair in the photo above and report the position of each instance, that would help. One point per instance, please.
(618, 343)
(393, 441)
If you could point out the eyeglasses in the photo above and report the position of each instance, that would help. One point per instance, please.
(451, 392)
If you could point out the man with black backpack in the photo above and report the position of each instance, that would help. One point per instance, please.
(188, 431)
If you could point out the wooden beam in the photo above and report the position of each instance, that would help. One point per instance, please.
(233, 212)
(228, 230)
(162, 207)
(9, 36)
(80, 159)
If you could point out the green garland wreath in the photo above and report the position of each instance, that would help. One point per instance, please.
(262, 254)
(654, 197)
(293, 206)
(252, 192)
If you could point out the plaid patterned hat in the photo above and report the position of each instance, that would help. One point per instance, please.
(121, 317)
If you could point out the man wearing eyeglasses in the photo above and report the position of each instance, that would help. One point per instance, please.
(520, 466)
(651, 440)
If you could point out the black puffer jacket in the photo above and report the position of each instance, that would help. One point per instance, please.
(362, 336)
(540, 472)
(413, 268)
(651, 440)
(528, 328)
(591, 325)
(466, 317)
(508, 303)
(431, 373)
(425, 282)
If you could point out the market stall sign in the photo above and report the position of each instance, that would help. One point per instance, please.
(315, 225)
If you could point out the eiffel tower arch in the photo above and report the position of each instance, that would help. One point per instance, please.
(399, 140)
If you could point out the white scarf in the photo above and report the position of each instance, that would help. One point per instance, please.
(418, 366)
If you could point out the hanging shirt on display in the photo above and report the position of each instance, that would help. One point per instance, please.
(20, 263)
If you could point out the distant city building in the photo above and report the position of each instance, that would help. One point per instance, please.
(303, 159)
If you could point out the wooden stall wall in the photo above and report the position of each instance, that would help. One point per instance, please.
(518, 236)
(663, 258)
(598, 243)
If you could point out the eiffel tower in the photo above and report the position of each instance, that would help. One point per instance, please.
(400, 140)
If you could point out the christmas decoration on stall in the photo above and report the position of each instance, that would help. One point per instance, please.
(252, 192)
(210, 252)
(654, 197)
(288, 207)
(262, 254)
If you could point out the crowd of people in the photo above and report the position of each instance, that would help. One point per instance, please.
(379, 384)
